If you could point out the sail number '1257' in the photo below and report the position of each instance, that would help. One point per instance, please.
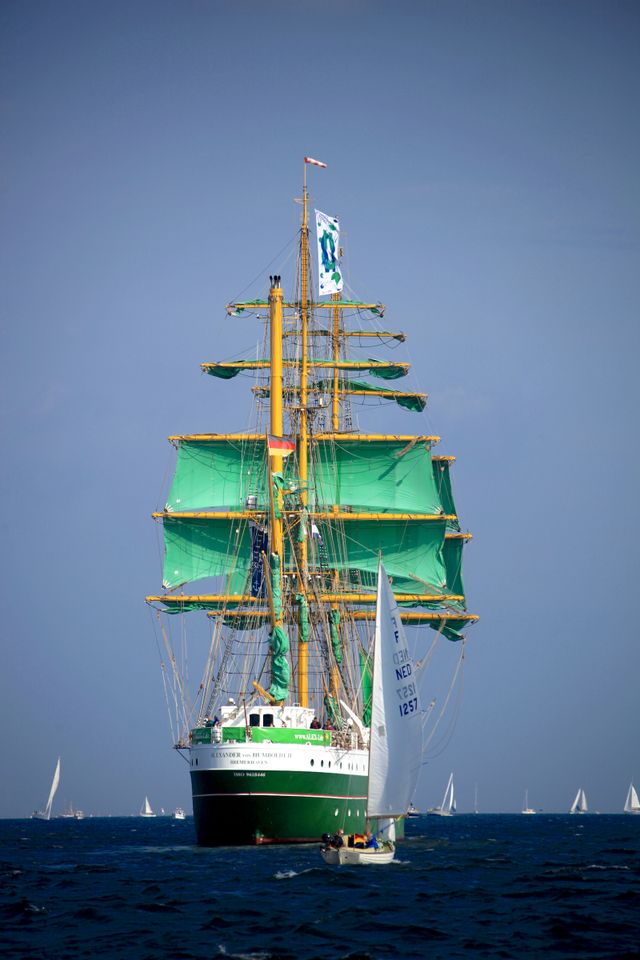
(409, 699)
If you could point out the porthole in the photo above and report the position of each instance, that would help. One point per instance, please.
(349, 813)
(322, 763)
(329, 764)
(336, 812)
(312, 762)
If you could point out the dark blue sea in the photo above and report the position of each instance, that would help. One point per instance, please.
(468, 886)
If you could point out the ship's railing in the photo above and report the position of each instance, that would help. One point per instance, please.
(347, 740)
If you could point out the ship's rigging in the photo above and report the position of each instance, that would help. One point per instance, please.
(284, 549)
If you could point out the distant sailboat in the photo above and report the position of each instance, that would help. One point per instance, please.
(448, 806)
(413, 811)
(46, 813)
(145, 810)
(527, 809)
(475, 799)
(579, 805)
(632, 804)
(71, 814)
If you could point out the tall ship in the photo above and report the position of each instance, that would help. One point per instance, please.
(273, 537)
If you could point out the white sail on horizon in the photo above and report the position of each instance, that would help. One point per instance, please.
(146, 809)
(632, 803)
(579, 805)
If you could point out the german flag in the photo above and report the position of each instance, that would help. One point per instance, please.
(278, 447)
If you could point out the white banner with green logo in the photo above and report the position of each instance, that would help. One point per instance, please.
(329, 274)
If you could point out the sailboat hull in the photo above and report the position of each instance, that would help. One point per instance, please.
(348, 856)
(249, 794)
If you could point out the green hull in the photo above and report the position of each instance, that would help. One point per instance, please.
(244, 808)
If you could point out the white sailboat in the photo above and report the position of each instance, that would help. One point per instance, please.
(395, 742)
(448, 806)
(632, 804)
(179, 814)
(579, 805)
(46, 813)
(526, 808)
(145, 810)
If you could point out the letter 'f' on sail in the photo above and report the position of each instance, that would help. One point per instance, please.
(396, 720)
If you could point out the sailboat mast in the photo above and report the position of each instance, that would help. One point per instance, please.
(276, 422)
(335, 410)
(303, 447)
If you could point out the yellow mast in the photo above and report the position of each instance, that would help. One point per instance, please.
(335, 425)
(303, 450)
(276, 421)
(335, 412)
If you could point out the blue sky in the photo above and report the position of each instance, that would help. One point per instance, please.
(483, 160)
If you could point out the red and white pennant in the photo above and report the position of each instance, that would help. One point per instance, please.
(316, 163)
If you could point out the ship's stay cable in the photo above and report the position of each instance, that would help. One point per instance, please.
(449, 732)
(263, 272)
(174, 727)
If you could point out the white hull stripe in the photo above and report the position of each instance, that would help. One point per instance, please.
(297, 796)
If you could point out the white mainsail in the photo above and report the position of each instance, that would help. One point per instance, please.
(146, 810)
(395, 748)
(632, 804)
(54, 786)
(448, 801)
(46, 813)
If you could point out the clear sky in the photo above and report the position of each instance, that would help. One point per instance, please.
(484, 161)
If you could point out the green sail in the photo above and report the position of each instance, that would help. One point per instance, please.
(280, 671)
(368, 476)
(411, 551)
(367, 686)
(386, 372)
(197, 548)
(222, 474)
(442, 478)
(223, 372)
(453, 547)
(411, 401)
(375, 477)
